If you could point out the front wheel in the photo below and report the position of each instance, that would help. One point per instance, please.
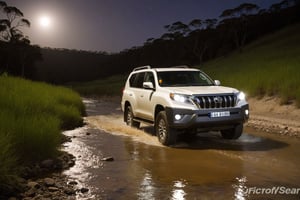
(165, 134)
(233, 133)
(129, 118)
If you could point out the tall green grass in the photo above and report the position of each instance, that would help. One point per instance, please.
(111, 86)
(269, 66)
(32, 116)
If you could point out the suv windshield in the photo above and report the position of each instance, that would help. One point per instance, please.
(183, 78)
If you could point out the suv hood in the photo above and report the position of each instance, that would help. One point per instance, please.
(201, 90)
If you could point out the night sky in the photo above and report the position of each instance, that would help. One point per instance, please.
(113, 25)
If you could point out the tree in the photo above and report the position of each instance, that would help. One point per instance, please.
(236, 22)
(16, 51)
(202, 36)
(10, 26)
(176, 30)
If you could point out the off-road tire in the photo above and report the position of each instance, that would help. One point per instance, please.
(233, 133)
(166, 135)
(129, 118)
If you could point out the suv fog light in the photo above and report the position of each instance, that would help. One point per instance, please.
(247, 112)
(177, 117)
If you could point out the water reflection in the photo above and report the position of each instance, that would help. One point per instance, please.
(240, 189)
(147, 189)
(143, 171)
(85, 159)
(178, 193)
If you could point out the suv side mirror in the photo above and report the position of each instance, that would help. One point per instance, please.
(148, 85)
(217, 82)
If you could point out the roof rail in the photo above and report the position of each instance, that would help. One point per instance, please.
(180, 66)
(142, 67)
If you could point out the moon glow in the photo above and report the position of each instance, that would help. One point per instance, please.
(45, 21)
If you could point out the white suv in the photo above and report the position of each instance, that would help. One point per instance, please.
(182, 100)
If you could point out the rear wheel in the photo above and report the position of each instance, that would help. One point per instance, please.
(233, 133)
(129, 118)
(165, 134)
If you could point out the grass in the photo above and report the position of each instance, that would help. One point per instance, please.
(111, 86)
(269, 66)
(31, 119)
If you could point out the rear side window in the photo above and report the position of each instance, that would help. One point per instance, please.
(132, 79)
(136, 80)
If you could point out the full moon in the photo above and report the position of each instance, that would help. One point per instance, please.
(45, 21)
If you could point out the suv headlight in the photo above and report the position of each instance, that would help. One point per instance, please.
(182, 98)
(241, 96)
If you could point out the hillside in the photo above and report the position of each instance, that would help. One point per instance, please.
(269, 66)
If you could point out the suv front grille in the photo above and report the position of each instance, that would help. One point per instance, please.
(216, 101)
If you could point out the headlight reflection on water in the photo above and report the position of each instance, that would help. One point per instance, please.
(239, 189)
(147, 190)
(178, 192)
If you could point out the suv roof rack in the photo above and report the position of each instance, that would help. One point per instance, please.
(180, 66)
(142, 67)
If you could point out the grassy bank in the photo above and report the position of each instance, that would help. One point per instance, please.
(110, 86)
(31, 119)
(269, 66)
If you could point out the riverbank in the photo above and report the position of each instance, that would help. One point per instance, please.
(45, 180)
(268, 115)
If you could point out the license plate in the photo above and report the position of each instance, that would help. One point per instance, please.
(220, 114)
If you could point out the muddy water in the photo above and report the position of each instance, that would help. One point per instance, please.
(205, 168)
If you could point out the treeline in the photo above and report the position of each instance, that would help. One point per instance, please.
(63, 65)
(204, 39)
(189, 43)
(17, 55)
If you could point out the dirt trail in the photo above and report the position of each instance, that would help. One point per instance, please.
(268, 115)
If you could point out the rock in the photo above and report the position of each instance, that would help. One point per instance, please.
(72, 183)
(88, 133)
(30, 193)
(108, 159)
(52, 189)
(71, 163)
(47, 163)
(33, 184)
(27, 198)
(69, 191)
(58, 165)
(49, 182)
(84, 190)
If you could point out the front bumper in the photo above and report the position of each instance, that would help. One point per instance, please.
(202, 119)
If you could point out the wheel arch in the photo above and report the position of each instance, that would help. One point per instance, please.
(158, 108)
(127, 103)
